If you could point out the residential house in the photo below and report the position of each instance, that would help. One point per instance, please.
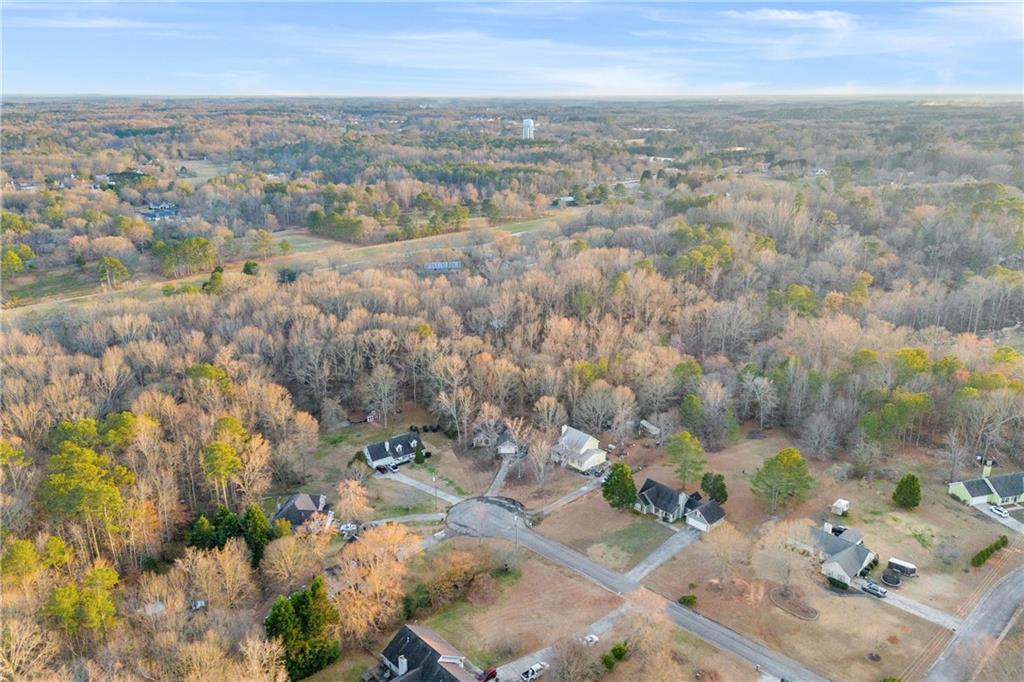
(578, 450)
(671, 505)
(396, 450)
(500, 439)
(706, 516)
(659, 499)
(1002, 489)
(842, 552)
(301, 507)
(419, 654)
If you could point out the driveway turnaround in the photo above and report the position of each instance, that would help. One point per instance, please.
(993, 614)
(491, 517)
(668, 549)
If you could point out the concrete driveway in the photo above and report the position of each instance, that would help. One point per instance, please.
(895, 599)
(421, 486)
(681, 537)
(1011, 523)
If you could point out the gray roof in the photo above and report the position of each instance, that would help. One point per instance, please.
(574, 439)
(403, 443)
(660, 496)
(1008, 485)
(422, 647)
(851, 535)
(978, 487)
(711, 511)
(852, 559)
(827, 542)
(299, 507)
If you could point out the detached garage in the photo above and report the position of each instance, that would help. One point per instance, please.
(706, 516)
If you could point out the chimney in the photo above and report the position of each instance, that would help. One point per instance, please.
(320, 500)
(403, 665)
(987, 469)
(828, 527)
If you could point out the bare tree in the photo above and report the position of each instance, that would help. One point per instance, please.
(352, 503)
(572, 662)
(382, 392)
(548, 413)
(955, 453)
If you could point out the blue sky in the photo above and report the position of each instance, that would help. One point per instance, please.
(510, 49)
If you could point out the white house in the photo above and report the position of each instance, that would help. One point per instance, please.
(396, 450)
(706, 516)
(579, 450)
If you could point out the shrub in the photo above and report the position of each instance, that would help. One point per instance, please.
(620, 650)
(908, 492)
(608, 660)
(983, 556)
(688, 600)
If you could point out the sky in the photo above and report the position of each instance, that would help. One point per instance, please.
(576, 49)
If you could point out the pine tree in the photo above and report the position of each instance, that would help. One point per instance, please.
(908, 492)
(256, 531)
(202, 534)
(782, 478)
(686, 452)
(619, 488)
(714, 486)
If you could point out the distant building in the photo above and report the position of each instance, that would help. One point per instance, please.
(527, 128)
(301, 507)
(442, 265)
(578, 450)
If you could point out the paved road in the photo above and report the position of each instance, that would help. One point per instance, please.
(668, 549)
(993, 614)
(495, 518)
(499, 478)
(929, 613)
(420, 485)
(592, 484)
(510, 671)
(408, 518)
(1011, 523)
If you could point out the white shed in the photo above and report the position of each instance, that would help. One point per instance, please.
(840, 507)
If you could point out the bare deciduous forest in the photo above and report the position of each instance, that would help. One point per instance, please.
(848, 272)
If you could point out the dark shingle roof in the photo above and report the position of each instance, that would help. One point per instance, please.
(1008, 485)
(404, 443)
(711, 511)
(693, 501)
(661, 496)
(299, 507)
(422, 647)
(977, 487)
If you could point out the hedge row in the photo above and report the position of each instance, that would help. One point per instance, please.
(982, 556)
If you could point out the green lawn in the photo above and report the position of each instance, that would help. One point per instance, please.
(59, 281)
(638, 539)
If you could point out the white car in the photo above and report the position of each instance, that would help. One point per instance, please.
(534, 671)
(999, 511)
(590, 640)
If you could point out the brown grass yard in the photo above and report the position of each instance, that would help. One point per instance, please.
(559, 483)
(690, 655)
(849, 627)
(545, 604)
(615, 538)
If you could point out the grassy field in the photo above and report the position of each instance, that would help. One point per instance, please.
(350, 668)
(33, 286)
(202, 171)
(614, 538)
(310, 252)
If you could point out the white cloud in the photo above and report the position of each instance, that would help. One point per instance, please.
(823, 20)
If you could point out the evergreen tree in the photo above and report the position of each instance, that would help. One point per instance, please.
(782, 478)
(256, 531)
(202, 534)
(908, 492)
(619, 488)
(714, 486)
(686, 452)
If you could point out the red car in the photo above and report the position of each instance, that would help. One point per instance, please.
(489, 674)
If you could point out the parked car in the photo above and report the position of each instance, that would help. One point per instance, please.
(534, 671)
(875, 589)
(591, 640)
(391, 468)
(999, 511)
(486, 675)
(382, 469)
